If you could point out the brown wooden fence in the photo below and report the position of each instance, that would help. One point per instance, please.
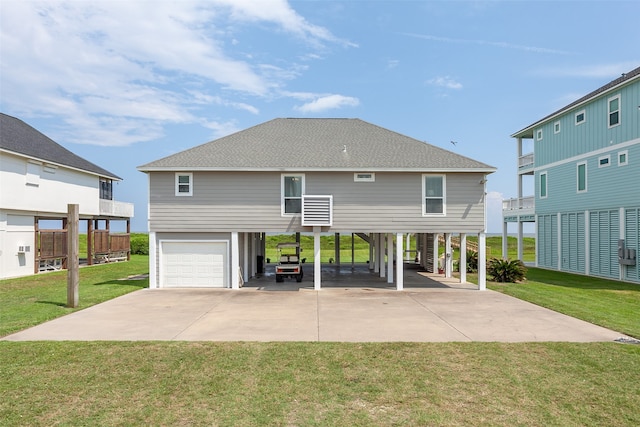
(52, 244)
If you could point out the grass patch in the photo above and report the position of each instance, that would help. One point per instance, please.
(318, 384)
(31, 300)
(608, 303)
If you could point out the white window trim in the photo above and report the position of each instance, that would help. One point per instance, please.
(626, 158)
(177, 184)
(586, 174)
(619, 111)
(424, 195)
(539, 135)
(601, 158)
(556, 127)
(358, 178)
(282, 176)
(584, 117)
(546, 184)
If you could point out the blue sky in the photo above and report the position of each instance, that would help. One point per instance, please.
(122, 83)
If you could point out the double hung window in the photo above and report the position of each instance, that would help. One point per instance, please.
(292, 191)
(614, 111)
(433, 195)
(184, 184)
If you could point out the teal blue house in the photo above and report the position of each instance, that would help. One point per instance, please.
(585, 168)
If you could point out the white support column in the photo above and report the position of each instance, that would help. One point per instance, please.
(537, 240)
(482, 262)
(463, 258)
(245, 257)
(254, 254)
(153, 258)
(448, 255)
(373, 252)
(235, 261)
(408, 248)
(399, 263)
(390, 258)
(559, 240)
(317, 264)
(622, 235)
(381, 253)
(520, 239)
(505, 239)
(587, 244)
(435, 253)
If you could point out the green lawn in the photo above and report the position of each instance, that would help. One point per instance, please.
(28, 301)
(608, 303)
(317, 384)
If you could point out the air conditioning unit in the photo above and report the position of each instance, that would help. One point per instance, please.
(24, 249)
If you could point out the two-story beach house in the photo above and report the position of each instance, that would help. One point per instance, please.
(210, 206)
(38, 180)
(585, 165)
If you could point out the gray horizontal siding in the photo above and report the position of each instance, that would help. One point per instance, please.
(250, 201)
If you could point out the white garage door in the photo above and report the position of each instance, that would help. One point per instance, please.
(194, 264)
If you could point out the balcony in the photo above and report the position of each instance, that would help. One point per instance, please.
(526, 162)
(524, 206)
(116, 209)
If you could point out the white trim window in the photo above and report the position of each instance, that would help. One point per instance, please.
(364, 177)
(623, 158)
(543, 185)
(291, 190)
(581, 117)
(434, 195)
(613, 104)
(581, 177)
(556, 127)
(604, 161)
(184, 184)
(539, 135)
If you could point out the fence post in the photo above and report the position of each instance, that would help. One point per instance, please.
(73, 263)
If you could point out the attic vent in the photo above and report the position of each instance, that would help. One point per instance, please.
(317, 210)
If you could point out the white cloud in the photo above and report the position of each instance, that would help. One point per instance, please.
(329, 102)
(446, 82)
(500, 44)
(608, 71)
(116, 72)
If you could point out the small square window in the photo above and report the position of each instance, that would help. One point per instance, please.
(539, 134)
(184, 184)
(604, 161)
(556, 127)
(623, 158)
(581, 117)
(364, 177)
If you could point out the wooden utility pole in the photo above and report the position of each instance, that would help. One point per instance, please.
(73, 261)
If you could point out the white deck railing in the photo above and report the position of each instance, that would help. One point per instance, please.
(519, 203)
(117, 209)
(526, 160)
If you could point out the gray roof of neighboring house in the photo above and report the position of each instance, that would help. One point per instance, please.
(18, 137)
(624, 79)
(317, 144)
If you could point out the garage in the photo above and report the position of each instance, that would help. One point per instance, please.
(193, 264)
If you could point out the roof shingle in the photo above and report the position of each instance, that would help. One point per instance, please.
(317, 144)
(18, 137)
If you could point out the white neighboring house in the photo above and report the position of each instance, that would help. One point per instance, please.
(38, 179)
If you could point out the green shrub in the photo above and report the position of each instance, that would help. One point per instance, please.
(140, 244)
(504, 270)
(472, 261)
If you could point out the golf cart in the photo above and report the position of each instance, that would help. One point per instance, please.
(289, 262)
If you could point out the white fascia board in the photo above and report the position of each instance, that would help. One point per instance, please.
(60, 165)
(303, 169)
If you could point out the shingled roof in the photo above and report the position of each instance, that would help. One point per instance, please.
(614, 84)
(317, 144)
(19, 138)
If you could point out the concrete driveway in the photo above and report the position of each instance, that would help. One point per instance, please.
(360, 308)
